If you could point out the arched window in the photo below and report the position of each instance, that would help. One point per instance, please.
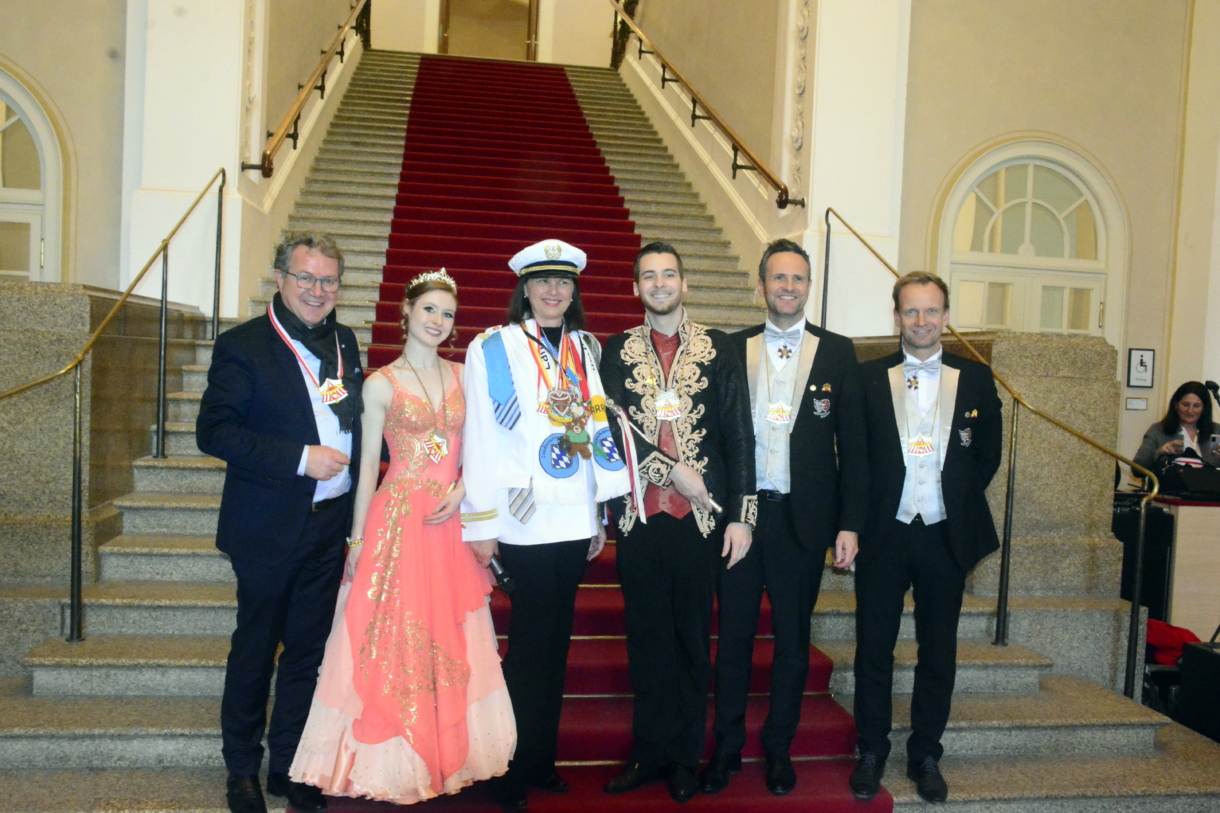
(1028, 231)
(30, 188)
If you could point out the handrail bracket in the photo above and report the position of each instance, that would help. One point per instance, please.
(695, 117)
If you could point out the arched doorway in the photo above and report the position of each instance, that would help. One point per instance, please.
(1032, 238)
(30, 187)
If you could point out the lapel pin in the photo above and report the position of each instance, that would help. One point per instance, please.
(826, 387)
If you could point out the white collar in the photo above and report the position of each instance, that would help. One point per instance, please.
(909, 359)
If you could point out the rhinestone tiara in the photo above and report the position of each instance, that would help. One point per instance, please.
(441, 276)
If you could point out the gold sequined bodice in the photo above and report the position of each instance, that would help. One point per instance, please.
(409, 423)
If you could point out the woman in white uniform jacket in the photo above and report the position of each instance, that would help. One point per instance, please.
(539, 462)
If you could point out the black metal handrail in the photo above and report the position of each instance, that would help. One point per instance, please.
(76, 604)
(289, 128)
(671, 74)
(1001, 633)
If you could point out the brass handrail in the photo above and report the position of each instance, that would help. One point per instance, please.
(76, 600)
(316, 81)
(1018, 399)
(80, 357)
(671, 74)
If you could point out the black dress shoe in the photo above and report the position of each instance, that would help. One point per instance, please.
(929, 784)
(509, 794)
(633, 776)
(781, 777)
(719, 771)
(301, 798)
(865, 780)
(552, 783)
(682, 784)
(245, 795)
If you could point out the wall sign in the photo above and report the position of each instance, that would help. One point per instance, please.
(1140, 364)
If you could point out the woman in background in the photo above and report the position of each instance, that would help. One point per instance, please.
(411, 702)
(1186, 428)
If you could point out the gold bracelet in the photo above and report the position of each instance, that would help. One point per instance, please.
(354, 543)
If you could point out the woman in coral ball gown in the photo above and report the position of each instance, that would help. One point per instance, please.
(411, 701)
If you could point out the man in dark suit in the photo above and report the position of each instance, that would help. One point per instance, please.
(812, 475)
(934, 445)
(282, 409)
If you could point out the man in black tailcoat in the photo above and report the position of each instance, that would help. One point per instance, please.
(811, 469)
(282, 409)
(934, 445)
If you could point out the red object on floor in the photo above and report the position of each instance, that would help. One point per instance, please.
(498, 156)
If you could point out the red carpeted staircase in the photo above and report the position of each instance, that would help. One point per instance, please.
(498, 156)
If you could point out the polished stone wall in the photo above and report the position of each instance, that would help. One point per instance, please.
(42, 327)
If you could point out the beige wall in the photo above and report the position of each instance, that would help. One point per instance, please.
(1111, 84)
(728, 52)
(73, 60)
(297, 32)
(579, 32)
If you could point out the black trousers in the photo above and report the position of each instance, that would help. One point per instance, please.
(792, 577)
(539, 632)
(915, 556)
(668, 572)
(292, 603)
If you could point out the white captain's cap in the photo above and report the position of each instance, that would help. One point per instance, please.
(548, 257)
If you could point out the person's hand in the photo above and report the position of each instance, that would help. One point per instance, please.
(484, 549)
(349, 566)
(597, 543)
(847, 545)
(737, 537)
(448, 505)
(323, 462)
(689, 484)
(1172, 447)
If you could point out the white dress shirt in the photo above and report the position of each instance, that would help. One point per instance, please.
(328, 428)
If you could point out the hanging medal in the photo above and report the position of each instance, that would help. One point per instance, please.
(779, 413)
(436, 444)
(920, 446)
(669, 408)
(331, 390)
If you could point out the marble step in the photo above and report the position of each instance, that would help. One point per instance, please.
(1182, 775)
(193, 474)
(981, 667)
(164, 608)
(1068, 715)
(162, 513)
(164, 558)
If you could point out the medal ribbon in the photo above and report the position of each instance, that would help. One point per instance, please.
(564, 357)
(275, 323)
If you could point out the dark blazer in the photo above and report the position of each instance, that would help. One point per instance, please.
(719, 442)
(827, 450)
(257, 417)
(971, 460)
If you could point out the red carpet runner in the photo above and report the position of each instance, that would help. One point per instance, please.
(498, 156)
